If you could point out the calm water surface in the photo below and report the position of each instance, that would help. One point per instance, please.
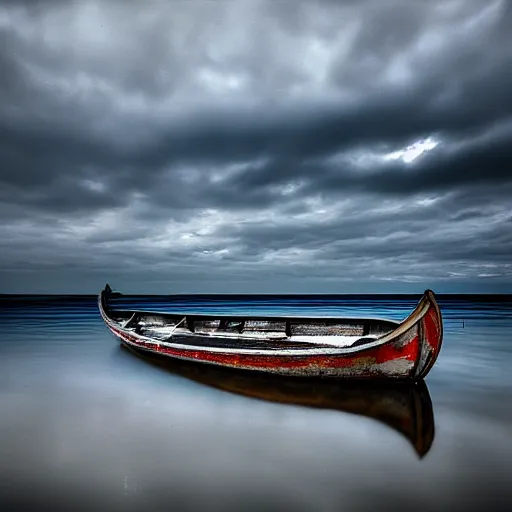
(86, 425)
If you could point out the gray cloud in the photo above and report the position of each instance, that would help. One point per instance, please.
(255, 139)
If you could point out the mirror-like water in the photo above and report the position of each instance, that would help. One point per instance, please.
(85, 424)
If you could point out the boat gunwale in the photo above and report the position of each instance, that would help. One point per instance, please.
(201, 316)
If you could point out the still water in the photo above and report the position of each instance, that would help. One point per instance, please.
(87, 425)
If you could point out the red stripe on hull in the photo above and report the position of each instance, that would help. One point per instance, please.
(397, 358)
(432, 329)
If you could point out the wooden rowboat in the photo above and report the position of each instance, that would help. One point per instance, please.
(403, 406)
(306, 347)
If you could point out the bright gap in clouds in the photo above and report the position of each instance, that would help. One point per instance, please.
(413, 151)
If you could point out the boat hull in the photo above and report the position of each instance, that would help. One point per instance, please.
(394, 360)
(408, 352)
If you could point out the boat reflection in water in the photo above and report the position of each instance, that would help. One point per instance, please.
(403, 406)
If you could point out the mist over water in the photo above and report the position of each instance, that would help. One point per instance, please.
(86, 425)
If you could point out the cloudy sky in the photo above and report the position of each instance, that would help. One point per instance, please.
(255, 146)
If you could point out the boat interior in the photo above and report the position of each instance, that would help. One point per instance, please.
(253, 332)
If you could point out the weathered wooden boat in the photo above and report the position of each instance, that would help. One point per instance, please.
(404, 406)
(306, 347)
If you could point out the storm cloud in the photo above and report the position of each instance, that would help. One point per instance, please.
(254, 146)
